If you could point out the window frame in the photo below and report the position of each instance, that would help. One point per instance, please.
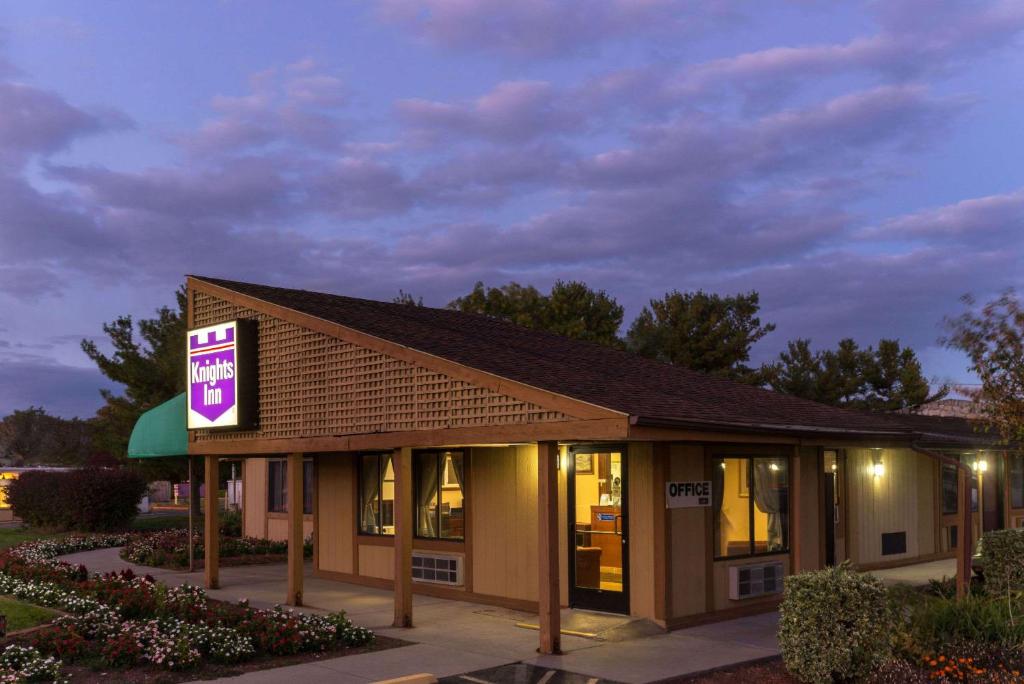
(307, 492)
(360, 459)
(272, 463)
(1018, 495)
(720, 456)
(946, 469)
(439, 455)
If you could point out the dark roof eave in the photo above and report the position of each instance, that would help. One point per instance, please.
(718, 426)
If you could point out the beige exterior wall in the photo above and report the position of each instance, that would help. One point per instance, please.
(336, 515)
(256, 520)
(902, 499)
(688, 532)
(502, 523)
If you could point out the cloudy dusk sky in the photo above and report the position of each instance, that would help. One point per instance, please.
(861, 165)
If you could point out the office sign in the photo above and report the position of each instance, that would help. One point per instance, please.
(687, 494)
(222, 371)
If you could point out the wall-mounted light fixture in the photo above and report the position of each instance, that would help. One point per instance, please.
(877, 467)
(980, 466)
(773, 467)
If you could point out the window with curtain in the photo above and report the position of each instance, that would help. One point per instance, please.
(307, 486)
(276, 483)
(949, 489)
(376, 494)
(750, 500)
(1017, 481)
(277, 486)
(438, 478)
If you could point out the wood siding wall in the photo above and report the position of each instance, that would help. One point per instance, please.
(256, 520)
(336, 514)
(688, 529)
(640, 471)
(504, 504)
(900, 500)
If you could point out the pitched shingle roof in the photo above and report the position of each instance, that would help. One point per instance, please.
(650, 392)
(948, 431)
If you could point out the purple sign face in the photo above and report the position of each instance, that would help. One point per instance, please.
(213, 381)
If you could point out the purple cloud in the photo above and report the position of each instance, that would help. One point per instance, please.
(545, 28)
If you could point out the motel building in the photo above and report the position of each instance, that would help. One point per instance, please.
(453, 455)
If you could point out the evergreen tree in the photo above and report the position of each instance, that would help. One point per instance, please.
(702, 331)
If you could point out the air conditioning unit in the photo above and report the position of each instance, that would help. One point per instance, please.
(748, 581)
(437, 568)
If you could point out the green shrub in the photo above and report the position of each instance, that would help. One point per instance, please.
(231, 523)
(1002, 552)
(933, 623)
(85, 500)
(835, 624)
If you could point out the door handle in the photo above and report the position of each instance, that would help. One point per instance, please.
(617, 526)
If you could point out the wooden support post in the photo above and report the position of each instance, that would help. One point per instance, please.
(293, 501)
(547, 547)
(796, 527)
(192, 515)
(211, 535)
(965, 546)
(662, 534)
(402, 464)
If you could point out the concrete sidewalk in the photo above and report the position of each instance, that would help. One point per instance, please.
(455, 637)
(918, 574)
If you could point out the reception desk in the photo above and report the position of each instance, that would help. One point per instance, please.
(605, 522)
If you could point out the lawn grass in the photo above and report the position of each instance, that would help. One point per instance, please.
(21, 615)
(149, 523)
(9, 536)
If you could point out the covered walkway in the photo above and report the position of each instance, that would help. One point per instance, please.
(455, 637)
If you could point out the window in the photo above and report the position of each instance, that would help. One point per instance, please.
(1017, 481)
(277, 486)
(376, 494)
(949, 489)
(751, 504)
(438, 478)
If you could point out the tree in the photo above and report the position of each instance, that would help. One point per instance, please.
(32, 436)
(883, 379)
(571, 309)
(701, 330)
(406, 298)
(152, 370)
(993, 339)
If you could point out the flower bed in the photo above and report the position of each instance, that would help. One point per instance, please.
(121, 620)
(169, 549)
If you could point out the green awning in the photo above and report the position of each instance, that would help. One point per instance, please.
(160, 431)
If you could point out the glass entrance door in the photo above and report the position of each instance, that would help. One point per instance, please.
(598, 529)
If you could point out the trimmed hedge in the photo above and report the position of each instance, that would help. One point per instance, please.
(1002, 552)
(835, 624)
(86, 500)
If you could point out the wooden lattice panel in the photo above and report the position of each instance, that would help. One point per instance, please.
(315, 385)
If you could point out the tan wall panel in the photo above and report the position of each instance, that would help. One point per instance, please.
(927, 500)
(640, 471)
(811, 509)
(377, 561)
(504, 509)
(721, 578)
(336, 513)
(254, 494)
(892, 502)
(687, 566)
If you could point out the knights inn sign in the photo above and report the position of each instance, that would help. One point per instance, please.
(222, 375)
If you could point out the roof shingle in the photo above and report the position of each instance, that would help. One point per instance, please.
(647, 390)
